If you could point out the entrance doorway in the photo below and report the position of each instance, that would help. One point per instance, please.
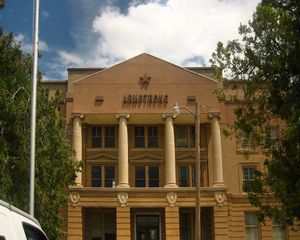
(147, 227)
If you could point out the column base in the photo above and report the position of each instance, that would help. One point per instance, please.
(171, 185)
(123, 185)
(219, 184)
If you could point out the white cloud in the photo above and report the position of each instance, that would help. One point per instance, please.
(183, 32)
(27, 46)
(45, 14)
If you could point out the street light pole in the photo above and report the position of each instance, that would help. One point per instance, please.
(196, 115)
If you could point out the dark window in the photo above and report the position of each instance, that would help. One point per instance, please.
(110, 136)
(248, 177)
(152, 136)
(183, 176)
(96, 137)
(109, 176)
(194, 177)
(139, 136)
(33, 233)
(153, 176)
(181, 136)
(96, 176)
(186, 222)
(140, 176)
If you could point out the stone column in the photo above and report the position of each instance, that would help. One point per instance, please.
(216, 149)
(170, 164)
(77, 143)
(123, 151)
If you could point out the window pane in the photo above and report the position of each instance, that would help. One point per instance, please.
(154, 176)
(140, 178)
(110, 136)
(33, 233)
(96, 137)
(248, 177)
(139, 136)
(96, 176)
(251, 226)
(278, 230)
(181, 136)
(183, 176)
(109, 176)
(194, 176)
(152, 136)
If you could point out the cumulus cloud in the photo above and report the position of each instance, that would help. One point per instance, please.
(182, 32)
(27, 46)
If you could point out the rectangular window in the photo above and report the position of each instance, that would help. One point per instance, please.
(140, 176)
(251, 226)
(184, 176)
(278, 230)
(153, 176)
(109, 176)
(139, 137)
(152, 136)
(96, 176)
(248, 177)
(110, 136)
(181, 136)
(96, 137)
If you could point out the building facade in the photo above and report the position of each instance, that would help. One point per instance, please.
(138, 179)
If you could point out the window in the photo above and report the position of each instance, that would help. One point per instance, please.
(96, 176)
(251, 226)
(272, 134)
(146, 176)
(103, 134)
(278, 230)
(33, 233)
(246, 143)
(187, 175)
(185, 136)
(139, 136)
(181, 136)
(140, 176)
(152, 136)
(146, 136)
(248, 177)
(110, 136)
(96, 137)
(109, 176)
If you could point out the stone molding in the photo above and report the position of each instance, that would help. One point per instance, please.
(171, 198)
(123, 199)
(74, 198)
(220, 198)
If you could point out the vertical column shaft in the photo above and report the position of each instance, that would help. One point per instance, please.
(216, 149)
(77, 144)
(170, 164)
(123, 151)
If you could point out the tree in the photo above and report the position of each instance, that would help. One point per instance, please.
(55, 162)
(2, 2)
(267, 61)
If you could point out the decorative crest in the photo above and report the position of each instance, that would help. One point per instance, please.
(145, 80)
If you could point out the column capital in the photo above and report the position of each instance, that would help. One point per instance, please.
(124, 115)
(78, 115)
(212, 115)
(166, 115)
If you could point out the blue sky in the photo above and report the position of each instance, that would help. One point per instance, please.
(100, 33)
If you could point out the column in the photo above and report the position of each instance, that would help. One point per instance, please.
(170, 164)
(77, 143)
(172, 223)
(123, 223)
(123, 151)
(216, 149)
(75, 222)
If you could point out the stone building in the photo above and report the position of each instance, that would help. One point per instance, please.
(140, 157)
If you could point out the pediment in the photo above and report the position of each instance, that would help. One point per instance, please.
(102, 156)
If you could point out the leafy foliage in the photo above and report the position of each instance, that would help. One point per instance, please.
(267, 63)
(55, 162)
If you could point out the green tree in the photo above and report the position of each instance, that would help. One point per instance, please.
(2, 2)
(55, 162)
(267, 61)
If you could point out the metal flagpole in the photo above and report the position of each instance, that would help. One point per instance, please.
(33, 107)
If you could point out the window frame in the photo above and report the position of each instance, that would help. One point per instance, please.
(243, 179)
(256, 226)
(147, 178)
(103, 173)
(190, 136)
(145, 138)
(104, 136)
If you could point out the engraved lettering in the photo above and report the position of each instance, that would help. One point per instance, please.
(124, 99)
(166, 99)
(149, 98)
(134, 98)
(140, 98)
(160, 97)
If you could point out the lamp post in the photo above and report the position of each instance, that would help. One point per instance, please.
(196, 114)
